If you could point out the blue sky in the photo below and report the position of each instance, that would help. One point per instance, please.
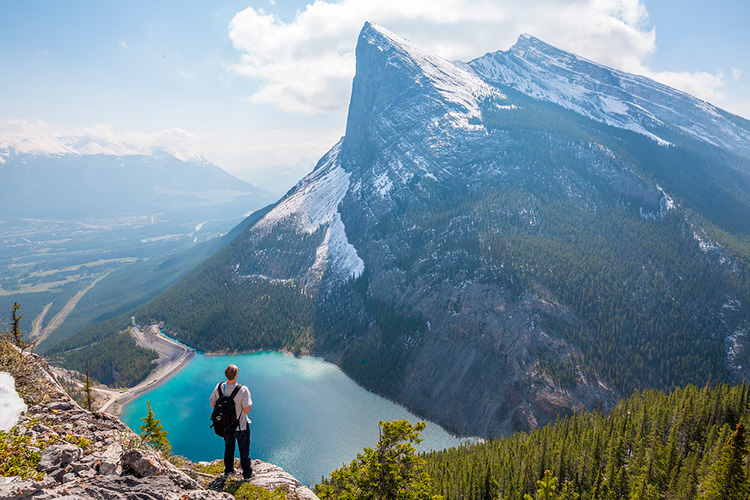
(263, 85)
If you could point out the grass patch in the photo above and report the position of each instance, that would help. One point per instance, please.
(247, 491)
(18, 457)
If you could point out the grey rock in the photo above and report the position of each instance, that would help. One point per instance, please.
(42, 429)
(142, 463)
(58, 456)
(107, 468)
(18, 490)
(61, 405)
(129, 487)
(57, 475)
(108, 459)
(81, 466)
(68, 477)
(270, 477)
(183, 480)
(87, 473)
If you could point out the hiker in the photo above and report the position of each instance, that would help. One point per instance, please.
(238, 429)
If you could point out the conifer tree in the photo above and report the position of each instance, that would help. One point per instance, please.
(727, 480)
(390, 471)
(547, 486)
(87, 388)
(153, 432)
(15, 332)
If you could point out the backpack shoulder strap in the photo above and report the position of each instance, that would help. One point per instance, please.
(218, 389)
(235, 391)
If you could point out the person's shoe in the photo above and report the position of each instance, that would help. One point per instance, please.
(227, 474)
(248, 478)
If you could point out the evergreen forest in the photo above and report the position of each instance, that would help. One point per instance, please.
(687, 444)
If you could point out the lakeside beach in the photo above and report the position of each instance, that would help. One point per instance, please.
(173, 357)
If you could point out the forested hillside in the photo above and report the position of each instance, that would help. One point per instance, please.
(685, 445)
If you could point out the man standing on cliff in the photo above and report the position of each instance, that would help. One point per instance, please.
(242, 403)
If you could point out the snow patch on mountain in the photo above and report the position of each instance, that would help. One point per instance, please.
(336, 254)
(11, 404)
(383, 184)
(313, 204)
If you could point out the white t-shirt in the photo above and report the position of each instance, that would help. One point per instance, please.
(241, 400)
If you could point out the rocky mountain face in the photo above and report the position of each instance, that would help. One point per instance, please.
(495, 243)
(92, 455)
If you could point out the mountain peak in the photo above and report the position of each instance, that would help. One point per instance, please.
(610, 96)
(391, 69)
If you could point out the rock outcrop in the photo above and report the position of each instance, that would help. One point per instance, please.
(93, 455)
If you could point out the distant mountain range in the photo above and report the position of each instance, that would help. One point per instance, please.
(496, 242)
(76, 209)
(61, 184)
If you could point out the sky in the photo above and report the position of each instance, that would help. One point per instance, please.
(261, 87)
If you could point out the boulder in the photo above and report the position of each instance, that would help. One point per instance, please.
(270, 477)
(61, 405)
(143, 463)
(58, 456)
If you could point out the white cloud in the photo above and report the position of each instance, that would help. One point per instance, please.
(41, 137)
(248, 153)
(736, 73)
(699, 84)
(307, 64)
(123, 44)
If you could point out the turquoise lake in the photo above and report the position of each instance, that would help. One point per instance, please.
(307, 417)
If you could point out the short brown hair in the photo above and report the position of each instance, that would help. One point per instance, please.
(231, 372)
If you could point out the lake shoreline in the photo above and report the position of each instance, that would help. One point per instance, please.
(118, 398)
(173, 358)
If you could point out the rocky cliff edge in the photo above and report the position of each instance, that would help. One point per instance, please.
(79, 454)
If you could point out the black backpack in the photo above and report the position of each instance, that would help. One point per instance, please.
(224, 417)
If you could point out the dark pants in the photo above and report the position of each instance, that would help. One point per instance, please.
(243, 443)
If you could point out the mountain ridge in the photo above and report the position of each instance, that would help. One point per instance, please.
(631, 101)
(510, 266)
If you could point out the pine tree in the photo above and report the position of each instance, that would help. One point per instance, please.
(89, 397)
(153, 432)
(727, 479)
(15, 332)
(390, 471)
(547, 486)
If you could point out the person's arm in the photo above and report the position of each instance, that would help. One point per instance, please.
(249, 402)
(214, 397)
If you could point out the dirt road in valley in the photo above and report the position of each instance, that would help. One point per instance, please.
(173, 357)
(42, 333)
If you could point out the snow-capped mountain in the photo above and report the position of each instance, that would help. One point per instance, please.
(84, 177)
(497, 242)
(610, 96)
